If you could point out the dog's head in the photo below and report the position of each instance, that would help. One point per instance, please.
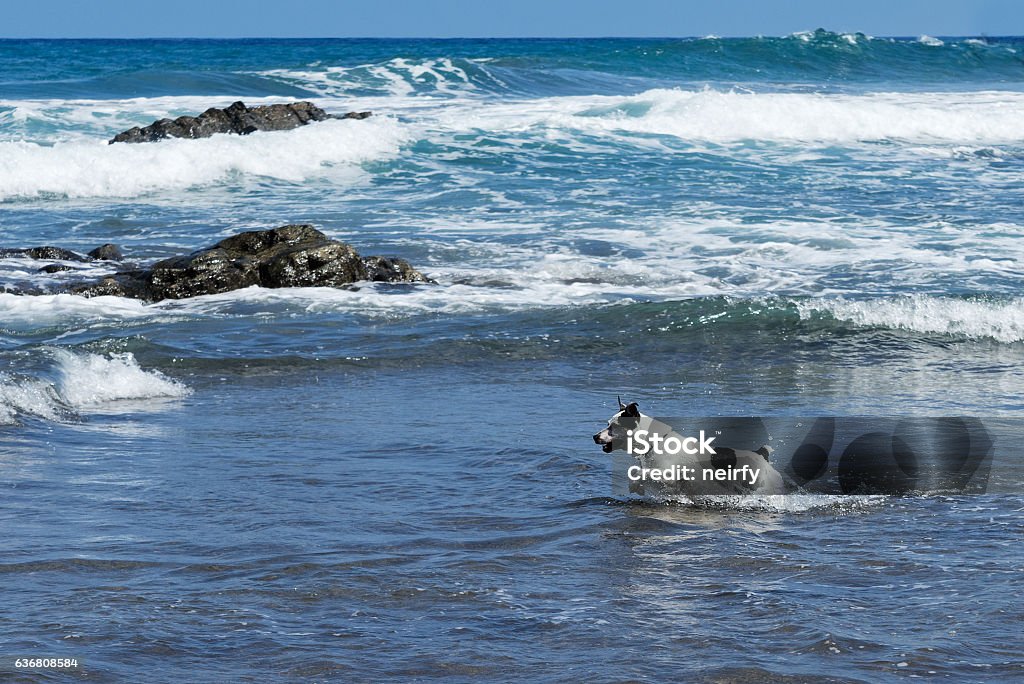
(614, 436)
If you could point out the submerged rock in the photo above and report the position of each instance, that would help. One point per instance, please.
(57, 253)
(107, 252)
(238, 118)
(390, 269)
(289, 256)
(55, 268)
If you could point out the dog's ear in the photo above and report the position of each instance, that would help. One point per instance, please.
(631, 411)
(621, 405)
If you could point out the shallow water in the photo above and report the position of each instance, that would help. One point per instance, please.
(399, 482)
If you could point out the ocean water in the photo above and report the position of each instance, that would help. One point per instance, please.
(398, 483)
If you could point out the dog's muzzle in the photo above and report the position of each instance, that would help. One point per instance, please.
(605, 440)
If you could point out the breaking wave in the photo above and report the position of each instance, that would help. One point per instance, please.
(532, 68)
(396, 77)
(668, 310)
(54, 149)
(81, 382)
(725, 116)
(999, 320)
(92, 168)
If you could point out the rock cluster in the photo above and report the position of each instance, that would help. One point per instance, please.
(107, 252)
(289, 256)
(238, 118)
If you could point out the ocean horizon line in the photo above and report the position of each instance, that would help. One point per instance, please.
(944, 36)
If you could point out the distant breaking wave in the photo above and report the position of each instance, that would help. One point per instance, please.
(90, 168)
(395, 77)
(716, 116)
(603, 66)
(83, 168)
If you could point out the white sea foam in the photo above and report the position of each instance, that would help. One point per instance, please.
(398, 77)
(28, 396)
(18, 311)
(507, 265)
(699, 115)
(83, 383)
(731, 116)
(555, 282)
(79, 168)
(783, 503)
(73, 160)
(79, 118)
(86, 380)
(1002, 321)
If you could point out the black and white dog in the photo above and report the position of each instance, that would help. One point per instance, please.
(712, 469)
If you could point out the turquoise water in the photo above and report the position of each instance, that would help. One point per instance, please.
(399, 483)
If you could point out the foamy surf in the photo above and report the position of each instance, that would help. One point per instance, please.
(728, 116)
(330, 149)
(1002, 321)
(398, 77)
(83, 382)
(702, 301)
(31, 312)
(781, 503)
(63, 120)
(21, 396)
(82, 165)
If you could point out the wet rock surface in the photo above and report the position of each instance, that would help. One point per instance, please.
(237, 118)
(46, 252)
(289, 256)
(107, 252)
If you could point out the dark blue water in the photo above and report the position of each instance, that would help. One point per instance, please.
(399, 483)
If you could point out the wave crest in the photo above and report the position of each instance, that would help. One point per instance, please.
(1002, 321)
(95, 169)
(732, 116)
(83, 382)
(398, 77)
